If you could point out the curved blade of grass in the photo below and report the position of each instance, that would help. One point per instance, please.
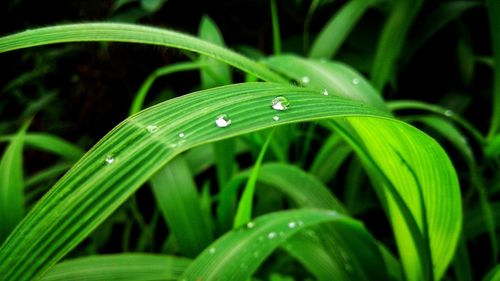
(392, 40)
(412, 104)
(215, 73)
(338, 27)
(493, 275)
(12, 184)
(245, 205)
(123, 160)
(330, 157)
(432, 23)
(131, 33)
(50, 143)
(47, 174)
(406, 160)
(337, 78)
(494, 17)
(240, 252)
(492, 148)
(139, 98)
(126, 267)
(461, 263)
(179, 202)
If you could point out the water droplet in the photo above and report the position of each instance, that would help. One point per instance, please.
(212, 250)
(292, 224)
(448, 113)
(250, 225)
(305, 79)
(152, 128)
(222, 121)
(355, 81)
(110, 159)
(276, 118)
(181, 135)
(324, 92)
(271, 235)
(280, 103)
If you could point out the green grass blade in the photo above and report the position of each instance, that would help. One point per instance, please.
(50, 143)
(179, 202)
(123, 160)
(245, 205)
(276, 28)
(338, 27)
(461, 263)
(115, 32)
(494, 16)
(392, 40)
(12, 184)
(240, 252)
(140, 97)
(336, 78)
(412, 104)
(435, 21)
(303, 188)
(409, 177)
(47, 174)
(492, 148)
(493, 275)
(215, 73)
(332, 154)
(126, 267)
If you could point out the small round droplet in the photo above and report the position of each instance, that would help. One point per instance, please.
(448, 113)
(280, 103)
(182, 135)
(251, 224)
(110, 159)
(222, 121)
(276, 118)
(324, 92)
(355, 81)
(212, 250)
(152, 128)
(292, 224)
(271, 235)
(305, 79)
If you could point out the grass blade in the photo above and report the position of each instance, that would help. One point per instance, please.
(392, 40)
(50, 143)
(12, 184)
(276, 28)
(239, 253)
(116, 32)
(126, 267)
(132, 152)
(140, 97)
(179, 202)
(338, 27)
(494, 16)
(244, 211)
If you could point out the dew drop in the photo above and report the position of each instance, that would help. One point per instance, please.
(271, 235)
(250, 225)
(110, 159)
(448, 113)
(292, 224)
(152, 128)
(324, 92)
(355, 81)
(182, 135)
(276, 118)
(280, 103)
(212, 250)
(222, 121)
(305, 79)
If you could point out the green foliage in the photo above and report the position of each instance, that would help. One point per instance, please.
(286, 168)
